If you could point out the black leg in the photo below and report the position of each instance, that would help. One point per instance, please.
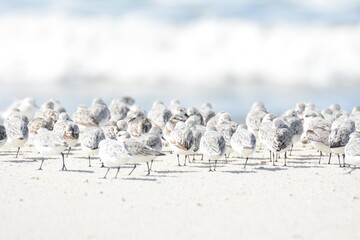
(89, 161)
(185, 160)
(292, 145)
(320, 157)
(246, 162)
(285, 159)
(343, 160)
(148, 167)
(273, 158)
(329, 159)
(202, 157)
(67, 155)
(270, 156)
(215, 165)
(210, 170)
(117, 172)
(42, 161)
(339, 160)
(17, 153)
(106, 173)
(178, 159)
(102, 165)
(63, 159)
(151, 165)
(132, 170)
(193, 157)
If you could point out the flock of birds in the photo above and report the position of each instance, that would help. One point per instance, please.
(123, 133)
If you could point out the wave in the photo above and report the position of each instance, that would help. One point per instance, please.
(63, 49)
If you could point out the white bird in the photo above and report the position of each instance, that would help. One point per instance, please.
(159, 114)
(317, 133)
(100, 111)
(352, 150)
(181, 140)
(278, 138)
(68, 130)
(113, 154)
(17, 130)
(243, 142)
(226, 128)
(90, 139)
(48, 143)
(212, 146)
(138, 126)
(139, 153)
(339, 136)
(255, 116)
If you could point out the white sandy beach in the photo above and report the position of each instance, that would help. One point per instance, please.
(302, 201)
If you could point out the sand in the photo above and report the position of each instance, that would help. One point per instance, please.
(302, 201)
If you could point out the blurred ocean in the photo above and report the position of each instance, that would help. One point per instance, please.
(228, 52)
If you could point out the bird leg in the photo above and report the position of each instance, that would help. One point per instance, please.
(210, 170)
(42, 161)
(151, 165)
(215, 165)
(292, 145)
(285, 159)
(63, 159)
(339, 160)
(329, 159)
(106, 173)
(132, 169)
(320, 157)
(178, 159)
(246, 162)
(17, 153)
(270, 156)
(89, 161)
(67, 155)
(343, 160)
(118, 169)
(185, 160)
(149, 169)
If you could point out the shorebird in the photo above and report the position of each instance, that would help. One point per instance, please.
(138, 126)
(339, 136)
(181, 140)
(113, 154)
(206, 112)
(90, 139)
(118, 110)
(352, 150)
(159, 114)
(278, 138)
(317, 133)
(295, 126)
(226, 128)
(212, 146)
(243, 142)
(68, 130)
(49, 143)
(255, 116)
(100, 111)
(17, 130)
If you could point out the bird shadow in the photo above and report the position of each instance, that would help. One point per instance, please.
(80, 171)
(273, 169)
(239, 172)
(180, 171)
(21, 161)
(140, 179)
(296, 166)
